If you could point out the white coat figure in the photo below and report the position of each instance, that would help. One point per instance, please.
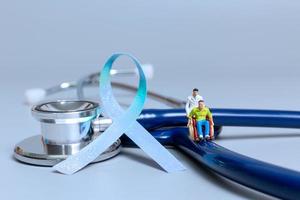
(192, 101)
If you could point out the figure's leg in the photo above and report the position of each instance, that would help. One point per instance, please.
(199, 128)
(206, 124)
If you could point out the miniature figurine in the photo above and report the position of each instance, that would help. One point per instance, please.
(192, 102)
(203, 117)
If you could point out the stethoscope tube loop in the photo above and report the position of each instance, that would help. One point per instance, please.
(261, 176)
(264, 177)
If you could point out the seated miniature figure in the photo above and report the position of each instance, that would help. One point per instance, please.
(192, 102)
(203, 117)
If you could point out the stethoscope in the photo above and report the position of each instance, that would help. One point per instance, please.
(61, 136)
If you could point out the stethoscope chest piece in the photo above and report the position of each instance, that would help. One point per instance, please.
(67, 127)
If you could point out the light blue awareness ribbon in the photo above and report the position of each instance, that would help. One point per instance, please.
(123, 122)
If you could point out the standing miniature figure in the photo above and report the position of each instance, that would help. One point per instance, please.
(192, 102)
(203, 117)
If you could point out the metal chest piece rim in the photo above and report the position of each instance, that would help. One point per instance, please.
(32, 151)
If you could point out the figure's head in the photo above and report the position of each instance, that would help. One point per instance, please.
(195, 92)
(201, 104)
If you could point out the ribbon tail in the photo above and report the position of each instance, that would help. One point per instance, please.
(141, 137)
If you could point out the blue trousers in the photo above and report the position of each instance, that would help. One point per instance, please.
(204, 123)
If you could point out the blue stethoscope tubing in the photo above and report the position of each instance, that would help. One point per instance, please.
(167, 126)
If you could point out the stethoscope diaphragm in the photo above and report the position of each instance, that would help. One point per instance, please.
(66, 128)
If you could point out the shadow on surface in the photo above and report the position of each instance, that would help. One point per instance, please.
(131, 155)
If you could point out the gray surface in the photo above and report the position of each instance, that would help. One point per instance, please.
(239, 54)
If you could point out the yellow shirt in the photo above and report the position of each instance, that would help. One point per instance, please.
(200, 114)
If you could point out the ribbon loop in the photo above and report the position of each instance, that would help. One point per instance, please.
(123, 122)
